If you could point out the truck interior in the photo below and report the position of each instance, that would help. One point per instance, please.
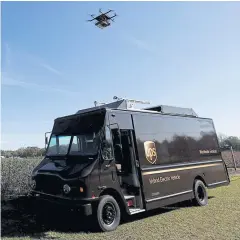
(126, 167)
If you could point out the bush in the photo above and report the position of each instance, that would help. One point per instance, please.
(15, 176)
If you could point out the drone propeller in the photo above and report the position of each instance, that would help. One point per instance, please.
(115, 15)
(93, 16)
(109, 10)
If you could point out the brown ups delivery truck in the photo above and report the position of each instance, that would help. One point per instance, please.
(112, 160)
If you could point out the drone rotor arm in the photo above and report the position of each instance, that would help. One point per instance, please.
(108, 11)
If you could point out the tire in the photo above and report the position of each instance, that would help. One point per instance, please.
(108, 213)
(200, 193)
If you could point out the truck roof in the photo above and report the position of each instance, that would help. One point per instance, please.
(163, 109)
(122, 105)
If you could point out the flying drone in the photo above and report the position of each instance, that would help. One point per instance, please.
(103, 20)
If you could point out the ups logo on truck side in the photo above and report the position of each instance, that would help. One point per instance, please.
(150, 151)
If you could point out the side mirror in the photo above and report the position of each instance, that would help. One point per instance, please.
(46, 140)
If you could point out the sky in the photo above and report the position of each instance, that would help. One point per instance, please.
(54, 62)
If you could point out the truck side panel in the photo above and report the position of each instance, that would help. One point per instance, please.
(173, 151)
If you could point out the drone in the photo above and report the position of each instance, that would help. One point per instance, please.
(103, 20)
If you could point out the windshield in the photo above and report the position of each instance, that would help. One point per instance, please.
(76, 134)
(83, 144)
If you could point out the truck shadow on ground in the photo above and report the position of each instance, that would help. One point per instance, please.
(151, 213)
(19, 219)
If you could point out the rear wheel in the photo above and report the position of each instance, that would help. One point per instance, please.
(108, 213)
(200, 193)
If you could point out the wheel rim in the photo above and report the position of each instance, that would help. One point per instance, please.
(108, 213)
(200, 193)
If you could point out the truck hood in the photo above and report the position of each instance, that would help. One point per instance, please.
(67, 167)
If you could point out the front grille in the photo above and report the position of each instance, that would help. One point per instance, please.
(49, 184)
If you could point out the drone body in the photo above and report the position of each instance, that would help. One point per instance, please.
(103, 20)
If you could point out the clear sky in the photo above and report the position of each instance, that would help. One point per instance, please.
(175, 53)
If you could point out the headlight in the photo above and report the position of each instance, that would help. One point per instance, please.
(66, 189)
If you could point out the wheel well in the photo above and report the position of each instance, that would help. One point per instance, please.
(112, 192)
(200, 178)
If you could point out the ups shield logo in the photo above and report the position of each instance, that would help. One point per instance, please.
(150, 151)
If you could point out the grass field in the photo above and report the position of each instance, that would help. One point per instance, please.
(220, 220)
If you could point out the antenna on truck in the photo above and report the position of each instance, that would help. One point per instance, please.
(131, 101)
(98, 103)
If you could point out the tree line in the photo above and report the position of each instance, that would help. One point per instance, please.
(229, 141)
(24, 152)
(224, 141)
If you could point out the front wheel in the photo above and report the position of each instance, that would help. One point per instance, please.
(108, 213)
(200, 193)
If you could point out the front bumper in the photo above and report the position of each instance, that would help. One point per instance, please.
(85, 205)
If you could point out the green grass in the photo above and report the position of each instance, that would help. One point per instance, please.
(220, 220)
